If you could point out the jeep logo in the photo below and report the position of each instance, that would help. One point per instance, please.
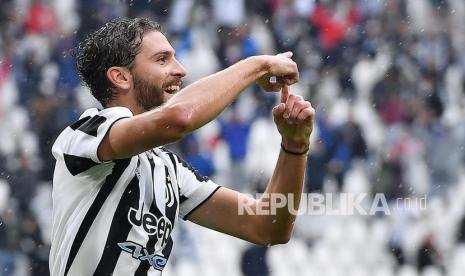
(161, 227)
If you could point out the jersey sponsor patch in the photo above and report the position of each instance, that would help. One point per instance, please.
(142, 254)
(159, 226)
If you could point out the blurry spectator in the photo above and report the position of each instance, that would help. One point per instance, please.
(333, 19)
(233, 41)
(51, 114)
(427, 255)
(23, 181)
(235, 131)
(316, 168)
(95, 13)
(392, 109)
(68, 78)
(27, 77)
(289, 27)
(261, 8)
(348, 144)
(158, 9)
(262, 148)
(9, 241)
(461, 231)
(32, 245)
(320, 154)
(442, 142)
(200, 160)
(40, 18)
(253, 261)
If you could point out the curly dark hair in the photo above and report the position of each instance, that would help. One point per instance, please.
(115, 44)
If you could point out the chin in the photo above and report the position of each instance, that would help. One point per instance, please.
(167, 96)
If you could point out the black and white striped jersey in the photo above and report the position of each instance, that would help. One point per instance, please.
(116, 218)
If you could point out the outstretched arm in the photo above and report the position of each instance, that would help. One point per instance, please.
(193, 107)
(208, 97)
(257, 222)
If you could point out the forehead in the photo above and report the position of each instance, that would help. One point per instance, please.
(155, 42)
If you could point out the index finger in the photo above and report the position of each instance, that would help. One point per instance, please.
(287, 54)
(284, 93)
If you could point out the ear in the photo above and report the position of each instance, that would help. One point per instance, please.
(120, 77)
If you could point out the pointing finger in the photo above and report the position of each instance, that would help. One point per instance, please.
(284, 93)
(287, 54)
(291, 100)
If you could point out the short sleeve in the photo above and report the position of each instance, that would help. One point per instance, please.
(194, 189)
(78, 143)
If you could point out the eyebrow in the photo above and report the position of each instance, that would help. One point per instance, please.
(163, 52)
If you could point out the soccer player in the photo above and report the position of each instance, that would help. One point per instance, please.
(117, 192)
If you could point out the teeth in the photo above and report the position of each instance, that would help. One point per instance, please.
(172, 88)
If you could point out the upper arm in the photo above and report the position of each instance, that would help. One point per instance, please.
(131, 136)
(232, 213)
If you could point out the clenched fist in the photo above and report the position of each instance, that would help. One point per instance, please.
(283, 70)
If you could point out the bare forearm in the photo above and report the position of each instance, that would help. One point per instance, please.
(286, 183)
(294, 120)
(207, 98)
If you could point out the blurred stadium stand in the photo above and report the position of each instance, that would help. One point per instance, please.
(386, 78)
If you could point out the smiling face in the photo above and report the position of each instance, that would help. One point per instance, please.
(156, 73)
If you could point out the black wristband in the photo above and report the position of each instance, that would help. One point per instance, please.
(293, 152)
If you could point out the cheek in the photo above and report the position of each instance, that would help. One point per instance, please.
(158, 80)
(155, 83)
(154, 75)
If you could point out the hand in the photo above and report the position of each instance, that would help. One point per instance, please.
(293, 117)
(283, 68)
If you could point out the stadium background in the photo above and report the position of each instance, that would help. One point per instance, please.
(386, 78)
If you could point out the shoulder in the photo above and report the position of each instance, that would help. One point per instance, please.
(84, 135)
(180, 166)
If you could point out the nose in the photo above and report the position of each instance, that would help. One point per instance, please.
(178, 69)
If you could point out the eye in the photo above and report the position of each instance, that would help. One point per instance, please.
(162, 60)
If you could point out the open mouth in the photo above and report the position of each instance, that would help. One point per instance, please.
(172, 89)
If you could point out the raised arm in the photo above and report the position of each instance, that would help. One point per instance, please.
(193, 107)
(270, 219)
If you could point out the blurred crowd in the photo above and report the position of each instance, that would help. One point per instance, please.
(386, 78)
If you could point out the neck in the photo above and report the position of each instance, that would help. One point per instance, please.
(135, 108)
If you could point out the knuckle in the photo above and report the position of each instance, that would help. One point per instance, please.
(304, 104)
(296, 111)
(300, 105)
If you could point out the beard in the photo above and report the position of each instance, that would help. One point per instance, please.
(148, 95)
